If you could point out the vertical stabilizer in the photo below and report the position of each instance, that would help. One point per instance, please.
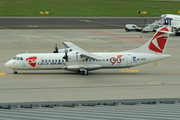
(157, 43)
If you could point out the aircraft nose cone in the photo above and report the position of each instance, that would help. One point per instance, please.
(7, 64)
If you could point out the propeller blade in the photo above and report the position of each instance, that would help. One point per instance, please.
(66, 56)
(56, 48)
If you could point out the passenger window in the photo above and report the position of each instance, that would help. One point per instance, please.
(45, 60)
(62, 60)
(52, 60)
(49, 60)
(55, 60)
(42, 60)
(106, 59)
(59, 60)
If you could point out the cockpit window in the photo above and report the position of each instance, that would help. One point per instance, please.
(17, 58)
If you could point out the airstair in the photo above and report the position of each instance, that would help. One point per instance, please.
(153, 26)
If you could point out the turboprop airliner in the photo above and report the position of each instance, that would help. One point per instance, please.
(73, 58)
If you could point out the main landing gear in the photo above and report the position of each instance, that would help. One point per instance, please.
(83, 71)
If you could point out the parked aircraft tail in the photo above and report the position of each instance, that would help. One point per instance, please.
(157, 44)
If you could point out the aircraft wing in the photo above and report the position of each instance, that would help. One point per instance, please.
(82, 52)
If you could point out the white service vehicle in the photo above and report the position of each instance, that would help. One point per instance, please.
(73, 58)
(171, 20)
(132, 27)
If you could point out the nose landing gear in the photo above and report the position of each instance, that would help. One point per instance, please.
(83, 71)
(15, 71)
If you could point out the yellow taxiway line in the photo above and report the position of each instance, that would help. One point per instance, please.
(155, 64)
(129, 71)
(2, 73)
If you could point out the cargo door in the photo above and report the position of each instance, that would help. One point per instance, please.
(129, 59)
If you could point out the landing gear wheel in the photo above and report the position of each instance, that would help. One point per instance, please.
(85, 72)
(15, 72)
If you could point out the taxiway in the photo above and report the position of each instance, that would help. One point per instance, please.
(159, 79)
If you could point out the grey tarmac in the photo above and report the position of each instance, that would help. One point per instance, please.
(72, 22)
(159, 79)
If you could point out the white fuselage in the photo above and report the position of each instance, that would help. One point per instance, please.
(50, 61)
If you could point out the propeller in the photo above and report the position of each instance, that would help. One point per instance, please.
(56, 48)
(66, 56)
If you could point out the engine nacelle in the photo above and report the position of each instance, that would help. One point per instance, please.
(72, 57)
(63, 50)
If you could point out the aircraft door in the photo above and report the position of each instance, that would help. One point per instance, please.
(129, 59)
(23, 65)
(21, 62)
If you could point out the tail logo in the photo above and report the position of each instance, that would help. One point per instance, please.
(32, 61)
(158, 42)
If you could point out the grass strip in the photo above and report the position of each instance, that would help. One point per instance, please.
(87, 7)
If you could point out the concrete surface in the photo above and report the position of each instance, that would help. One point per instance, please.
(154, 80)
(72, 22)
